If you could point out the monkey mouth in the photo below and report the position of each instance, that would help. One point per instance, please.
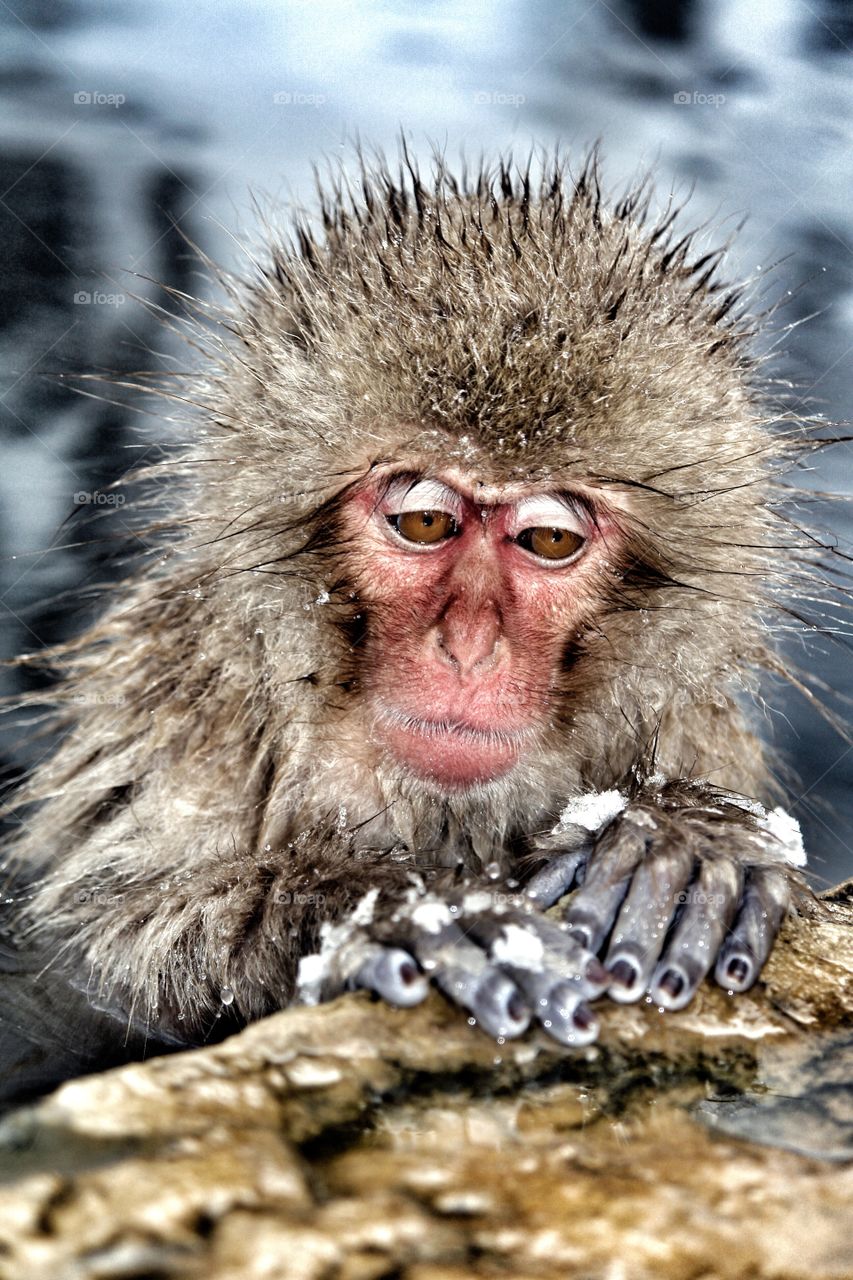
(449, 752)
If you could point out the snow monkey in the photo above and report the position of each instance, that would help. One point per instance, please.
(460, 618)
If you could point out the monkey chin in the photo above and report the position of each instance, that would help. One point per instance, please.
(451, 755)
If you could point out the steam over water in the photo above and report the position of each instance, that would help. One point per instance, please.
(119, 119)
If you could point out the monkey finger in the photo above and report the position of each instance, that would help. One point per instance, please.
(556, 878)
(568, 1019)
(558, 1004)
(554, 972)
(710, 904)
(537, 947)
(462, 971)
(490, 996)
(393, 975)
(591, 912)
(641, 929)
(566, 956)
(765, 900)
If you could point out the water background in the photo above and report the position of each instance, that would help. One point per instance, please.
(119, 119)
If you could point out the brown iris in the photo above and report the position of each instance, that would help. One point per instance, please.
(551, 544)
(424, 526)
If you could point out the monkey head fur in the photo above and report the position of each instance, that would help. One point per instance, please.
(517, 329)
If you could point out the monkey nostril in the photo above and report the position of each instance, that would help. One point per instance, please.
(470, 639)
(446, 652)
(468, 656)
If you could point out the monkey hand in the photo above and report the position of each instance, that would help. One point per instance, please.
(495, 955)
(680, 879)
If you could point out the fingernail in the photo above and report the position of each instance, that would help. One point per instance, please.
(623, 973)
(408, 973)
(737, 970)
(516, 1008)
(583, 1017)
(672, 983)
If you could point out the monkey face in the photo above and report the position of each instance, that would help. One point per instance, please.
(472, 593)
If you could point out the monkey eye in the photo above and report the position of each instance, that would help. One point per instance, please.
(424, 527)
(551, 543)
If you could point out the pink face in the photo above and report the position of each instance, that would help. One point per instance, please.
(472, 593)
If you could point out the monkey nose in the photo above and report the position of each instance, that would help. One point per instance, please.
(471, 649)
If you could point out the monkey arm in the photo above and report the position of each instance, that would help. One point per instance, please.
(678, 878)
(685, 879)
(196, 950)
(187, 957)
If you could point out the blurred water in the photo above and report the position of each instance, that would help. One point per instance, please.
(118, 119)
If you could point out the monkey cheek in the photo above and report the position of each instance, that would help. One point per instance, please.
(451, 757)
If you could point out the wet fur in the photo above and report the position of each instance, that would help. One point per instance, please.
(211, 800)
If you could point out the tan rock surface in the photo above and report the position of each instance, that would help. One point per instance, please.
(356, 1142)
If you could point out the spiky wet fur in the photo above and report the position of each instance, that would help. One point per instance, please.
(524, 328)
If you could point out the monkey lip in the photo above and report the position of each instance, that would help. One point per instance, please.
(449, 752)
